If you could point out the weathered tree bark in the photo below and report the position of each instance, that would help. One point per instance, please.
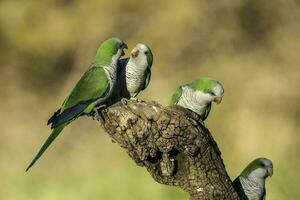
(173, 144)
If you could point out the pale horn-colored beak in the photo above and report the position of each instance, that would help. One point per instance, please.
(270, 171)
(217, 100)
(134, 52)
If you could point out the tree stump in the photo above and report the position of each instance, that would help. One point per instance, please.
(173, 144)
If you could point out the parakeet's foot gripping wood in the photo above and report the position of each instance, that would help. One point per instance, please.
(173, 145)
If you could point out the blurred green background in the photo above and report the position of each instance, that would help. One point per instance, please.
(251, 46)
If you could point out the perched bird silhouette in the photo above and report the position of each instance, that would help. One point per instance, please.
(93, 90)
(135, 72)
(198, 95)
(250, 185)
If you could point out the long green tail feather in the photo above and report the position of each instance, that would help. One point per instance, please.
(46, 144)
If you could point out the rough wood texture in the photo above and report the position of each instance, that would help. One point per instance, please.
(173, 144)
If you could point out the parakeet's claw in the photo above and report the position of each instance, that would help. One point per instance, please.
(100, 107)
(124, 101)
(98, 115)
(97, 112)
(136, 99)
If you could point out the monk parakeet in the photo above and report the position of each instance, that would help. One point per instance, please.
(93, 89)
(198, 95)
(250, 185)
(135, 72)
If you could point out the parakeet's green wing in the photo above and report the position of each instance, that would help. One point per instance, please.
(176, 96)
(239, 189)
(148, 77)
(207, 110)
(93, 85)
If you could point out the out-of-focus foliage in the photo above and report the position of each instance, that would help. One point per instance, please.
(251, 46)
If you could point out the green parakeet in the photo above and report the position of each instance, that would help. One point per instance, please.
(198, 95)
(250, 185)
(135, 72)
(93, 89)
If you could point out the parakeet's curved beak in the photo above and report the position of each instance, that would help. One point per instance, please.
(218, 100)
(134, 52)
(270, 171)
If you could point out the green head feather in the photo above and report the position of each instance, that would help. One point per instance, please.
(255, 164)
(108, 49)
(205, 84)
(149, 57)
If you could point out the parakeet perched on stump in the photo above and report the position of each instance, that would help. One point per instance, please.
(93, 90)
(250, 185)
(198, 95)
(135, 72)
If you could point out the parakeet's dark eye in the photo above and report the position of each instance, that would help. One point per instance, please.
(146, 52)
(212, 93)
(262, 164)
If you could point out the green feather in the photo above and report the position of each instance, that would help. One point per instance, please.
(148, 77)
(176, 96)
(92, 86)
(148, 71)
(94, 83)
(149, 57)
(257, 163)
(107, 49)
(206, 113)
(204, 84)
